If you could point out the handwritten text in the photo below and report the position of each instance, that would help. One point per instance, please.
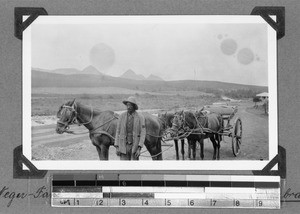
(6, 193)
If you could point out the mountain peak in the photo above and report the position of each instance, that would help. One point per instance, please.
(130, 74)
(91, 70)
(129, 71)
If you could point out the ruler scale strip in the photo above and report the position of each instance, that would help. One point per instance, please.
(188, 191)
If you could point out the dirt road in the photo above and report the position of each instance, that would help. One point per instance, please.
(47, 145)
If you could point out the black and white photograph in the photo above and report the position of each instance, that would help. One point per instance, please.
(149, 93)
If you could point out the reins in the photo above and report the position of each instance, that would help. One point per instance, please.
(200, 130)
(91, 117)
(96, 131)
(93, 130)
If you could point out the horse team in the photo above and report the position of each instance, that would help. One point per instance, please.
(102, 125)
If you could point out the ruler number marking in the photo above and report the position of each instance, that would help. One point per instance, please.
(99, 202)
(123, 202)
(168, 202)
(146, 202)
(213, 202)
(191, 202)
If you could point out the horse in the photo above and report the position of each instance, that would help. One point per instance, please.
(167, 119)
(200, 126)
(102, 127)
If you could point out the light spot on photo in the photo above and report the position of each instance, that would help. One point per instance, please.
(228, 46)
(102, 56)
(245, 56)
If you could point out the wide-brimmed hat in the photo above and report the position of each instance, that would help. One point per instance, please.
(131, 100)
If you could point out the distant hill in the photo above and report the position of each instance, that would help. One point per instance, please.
(65, 71)
(71, 71)
(154, 78)
(130, 74)
(47, 79)
(91, 70)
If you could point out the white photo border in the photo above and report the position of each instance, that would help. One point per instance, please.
(151, 165)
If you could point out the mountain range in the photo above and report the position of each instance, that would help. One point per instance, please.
(130, 74)
(129, 80)
(91, 70)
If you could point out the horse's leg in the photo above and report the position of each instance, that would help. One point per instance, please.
(154, 150)
(176, 149)
(182, 148)
(101, 157)
(214, 145)
(158, 150)
(194, 143)
(104, 151)
(95, 142)
(102, 143)
(218, 138)
(201, 142)
(189, 148)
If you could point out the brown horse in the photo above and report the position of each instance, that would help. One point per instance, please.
(167, 119)
(102, 127)
(199, 126)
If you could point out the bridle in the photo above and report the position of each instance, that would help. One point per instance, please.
(182, 128)
(178, 123)
(73, 116)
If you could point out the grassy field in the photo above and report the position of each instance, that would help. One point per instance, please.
(46, 103)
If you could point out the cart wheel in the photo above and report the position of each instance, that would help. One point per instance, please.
(237, 137)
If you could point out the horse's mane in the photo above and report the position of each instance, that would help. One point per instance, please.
(167, 117)
(96, 111)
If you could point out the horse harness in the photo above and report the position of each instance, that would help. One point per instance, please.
(73, 120)
(199, 129)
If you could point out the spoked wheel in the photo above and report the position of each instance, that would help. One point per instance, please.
(237, 137)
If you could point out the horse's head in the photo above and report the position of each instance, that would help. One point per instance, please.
(201, 116)
(177, 123)
(67, 116)
(166, 119)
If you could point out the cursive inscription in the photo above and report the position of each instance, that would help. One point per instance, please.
(289, 194)
(6, 193)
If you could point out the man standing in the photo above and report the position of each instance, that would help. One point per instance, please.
(131, 132)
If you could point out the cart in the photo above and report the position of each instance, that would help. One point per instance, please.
(230, 130)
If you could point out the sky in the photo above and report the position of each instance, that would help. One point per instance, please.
(236, 53)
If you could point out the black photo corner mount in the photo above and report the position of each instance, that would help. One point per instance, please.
(279, 159)
(279, 25)
(32, 12)
(19, 160)
(266, 12)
